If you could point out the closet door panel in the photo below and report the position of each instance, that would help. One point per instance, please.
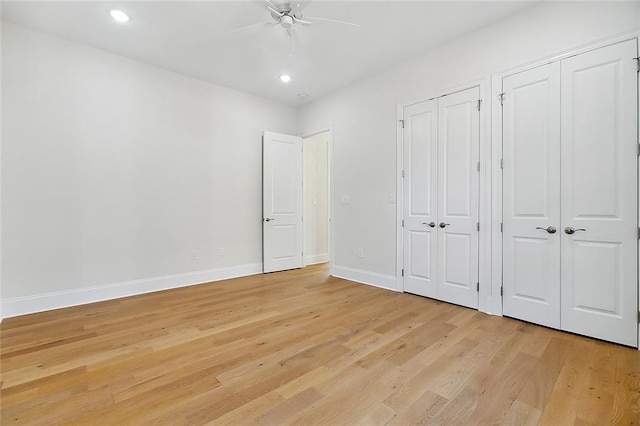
(531, 195)
(420, 198)
(599, 194)
(458, 151)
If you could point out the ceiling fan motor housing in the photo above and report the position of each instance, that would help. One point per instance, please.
(286, 21)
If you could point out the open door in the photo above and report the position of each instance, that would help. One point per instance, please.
(282, 231)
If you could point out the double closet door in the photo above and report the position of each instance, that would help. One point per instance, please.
(440, 162)
(570, 187)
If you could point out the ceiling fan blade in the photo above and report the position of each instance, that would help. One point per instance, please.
(268, 6)
(272, 7)
(301, 21)
(249, 27)
(335, 21)
(275, 11)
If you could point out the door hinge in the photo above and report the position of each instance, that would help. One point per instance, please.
(402, 123)
(478, 226)
(403, 173)
(477, 286)
(501, 98)
(500, 226)
(639, 233)
(638, 63)
(402, 273)
(639, 149)
(501, 291)
(478, 166)
(403, 223)
(502, 163)
(479, 103)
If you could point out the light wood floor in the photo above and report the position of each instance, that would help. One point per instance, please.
(301, 347)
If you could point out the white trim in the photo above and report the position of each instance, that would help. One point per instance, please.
(63, 299)
(313, 259)
(388, 282)
(399, 196)
(496, 196)
(505, 72)
(484, 202)
(442, 92)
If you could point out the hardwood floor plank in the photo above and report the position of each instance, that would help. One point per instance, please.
(282, 413)
(406, 391)
(521, 414)
(536, 392)
(422, 411)
(596, 399)
(562, 405)
(626, 402)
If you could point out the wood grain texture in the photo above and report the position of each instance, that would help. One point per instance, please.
(300, 347)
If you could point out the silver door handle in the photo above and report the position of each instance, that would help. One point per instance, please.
(549, 229)
(571, 230)
(269, 219)
(442, 224)
(431, 224)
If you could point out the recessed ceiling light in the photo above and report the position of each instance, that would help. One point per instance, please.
(119, 15)
(285, 78)
(303, 95)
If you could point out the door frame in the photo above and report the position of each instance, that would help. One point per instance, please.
(496, 154)
(325, 129)
(484, 207)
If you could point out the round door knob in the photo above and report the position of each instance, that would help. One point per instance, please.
(442, 224)
(431, 224)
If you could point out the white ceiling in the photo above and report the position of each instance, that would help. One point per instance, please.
(188, 37)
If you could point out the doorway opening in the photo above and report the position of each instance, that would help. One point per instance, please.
(316, 210)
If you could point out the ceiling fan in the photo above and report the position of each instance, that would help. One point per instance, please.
(287, 14)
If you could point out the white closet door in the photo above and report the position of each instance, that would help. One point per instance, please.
(531, 191)
(420, 198)
(599, 194)
(458, 152)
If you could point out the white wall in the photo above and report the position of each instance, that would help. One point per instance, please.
(316, 208)
(364, 116)
(114, 170)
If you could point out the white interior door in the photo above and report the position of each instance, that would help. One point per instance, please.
(420, 198)
(531, 195)
(458, 187)
(599, 194)
(282, 202)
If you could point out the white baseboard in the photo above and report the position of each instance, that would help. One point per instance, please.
(312, 259)
(63, 299)
(388, 282)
